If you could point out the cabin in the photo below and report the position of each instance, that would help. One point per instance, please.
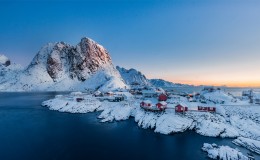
(162, 97)
(181, 108)
(161, 105)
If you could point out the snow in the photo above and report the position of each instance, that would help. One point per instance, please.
(250, 144)
(223, 152)
(217, 96)
(170, 123)
(3, 59)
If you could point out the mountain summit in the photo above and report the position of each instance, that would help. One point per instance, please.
(62, 67)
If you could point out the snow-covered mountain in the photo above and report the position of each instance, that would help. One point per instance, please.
(164, 83)
(133, 77)
(62, 67)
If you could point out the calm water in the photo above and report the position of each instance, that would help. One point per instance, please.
(29, 131)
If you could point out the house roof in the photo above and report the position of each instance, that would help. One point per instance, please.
(183, 104)
(163, 103)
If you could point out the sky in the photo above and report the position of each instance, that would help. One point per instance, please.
(193, 41)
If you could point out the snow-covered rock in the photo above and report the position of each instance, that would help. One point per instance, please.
(250, 144)
(62, 67)
(8, 70)
(133, 77)
(223, 152)
(217, 96)
(4, 61)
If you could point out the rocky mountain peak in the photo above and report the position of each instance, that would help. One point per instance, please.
(79, 61)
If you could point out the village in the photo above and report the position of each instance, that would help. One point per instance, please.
(158, 100)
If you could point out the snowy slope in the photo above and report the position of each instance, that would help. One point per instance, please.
(62, 67)
(132, 76)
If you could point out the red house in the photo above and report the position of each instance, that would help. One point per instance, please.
(161, 105)
(181, 108)
(162, 97)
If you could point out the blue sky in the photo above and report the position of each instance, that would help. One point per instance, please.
(193, 41)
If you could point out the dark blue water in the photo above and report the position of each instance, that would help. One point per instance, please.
(31, 132)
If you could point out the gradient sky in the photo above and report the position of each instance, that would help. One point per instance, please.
(213, 42)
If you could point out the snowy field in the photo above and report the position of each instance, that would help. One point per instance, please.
(238, 122)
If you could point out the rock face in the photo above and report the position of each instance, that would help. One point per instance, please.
(78, 61)
(61, 67)
(133, 77)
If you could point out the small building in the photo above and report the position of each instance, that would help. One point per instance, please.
(161, 105)
(162, 97)
(181, 108)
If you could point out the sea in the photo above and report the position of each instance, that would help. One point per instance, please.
(29, 131)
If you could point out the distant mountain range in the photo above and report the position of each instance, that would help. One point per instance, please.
(62, 67)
